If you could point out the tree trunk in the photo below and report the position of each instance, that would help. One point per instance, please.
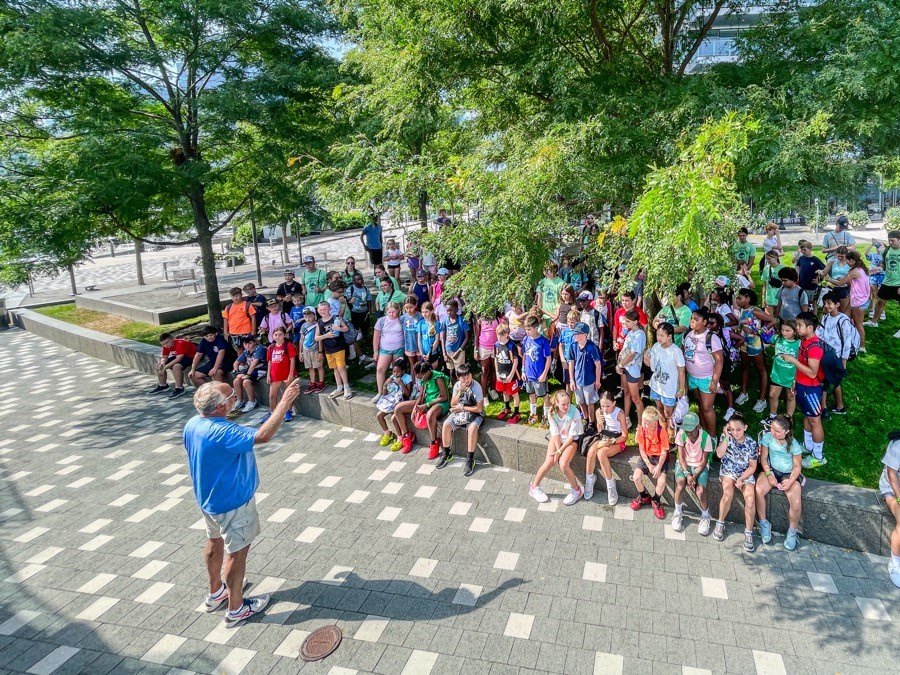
(423, 208)
(138, 264)
(72, 279)
(207, 255)
(284, 236)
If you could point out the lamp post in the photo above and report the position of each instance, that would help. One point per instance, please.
(259, 281)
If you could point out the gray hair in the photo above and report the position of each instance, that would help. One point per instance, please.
(208, 397)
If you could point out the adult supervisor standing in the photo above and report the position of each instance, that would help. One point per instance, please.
(371, 237)
(223, 471)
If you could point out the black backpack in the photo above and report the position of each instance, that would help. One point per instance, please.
(831, 366)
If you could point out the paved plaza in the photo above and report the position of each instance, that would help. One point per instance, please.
(101, 565)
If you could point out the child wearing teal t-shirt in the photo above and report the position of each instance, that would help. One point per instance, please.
(783, 373)
(779, 456)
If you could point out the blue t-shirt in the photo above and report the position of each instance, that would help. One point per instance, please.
(309, 334)
(211, 349)
(373, 235)
(421, 292)
(222, 463)
(246, 357)
(780, 458)
(806, 271)
(635, 341)
(585, 362)
(410, 332)
(358, 299)
(536, 351)
(426, 338)
(566, 339)
(297, 319)
(455, 331)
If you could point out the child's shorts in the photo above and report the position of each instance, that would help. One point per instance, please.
(876, 279)
(455, 359)
(511, 388)
(337, 360)
(654, 462)
(312, 357)
(809, 399)
(484, 353)
(586, 395)
(535, 387)
(702, 477)
(701, 383)
(666, 401)
(750, 481)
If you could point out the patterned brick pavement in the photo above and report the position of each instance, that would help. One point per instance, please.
(425, 571)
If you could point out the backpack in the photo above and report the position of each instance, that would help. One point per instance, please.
(853, 337)
(831, 366)
(246, 308)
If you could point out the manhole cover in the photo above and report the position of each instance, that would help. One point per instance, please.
(320, 643)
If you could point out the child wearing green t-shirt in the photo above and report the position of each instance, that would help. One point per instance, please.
(783, 373)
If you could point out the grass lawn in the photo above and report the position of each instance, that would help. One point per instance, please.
(115, 325)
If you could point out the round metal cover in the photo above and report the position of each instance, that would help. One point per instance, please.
(320, 643)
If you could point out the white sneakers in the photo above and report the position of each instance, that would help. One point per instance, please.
(742, 398)
(538, 494)
(573, 496)
(894, 571)
(728, 414)
(677, 522)
(347, 394)
(759, 406)
(376, 398)
(248, 406)
(612, 492)
(337, 392)
(589, 482)
(703, 528)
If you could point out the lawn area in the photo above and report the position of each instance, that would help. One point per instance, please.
(115, 325)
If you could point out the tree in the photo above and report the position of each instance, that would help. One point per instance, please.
(173, 103)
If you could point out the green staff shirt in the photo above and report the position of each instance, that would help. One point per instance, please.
(743, 252)
(892, 266)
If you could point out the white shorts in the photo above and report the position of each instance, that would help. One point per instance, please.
(238, 527)
(586, 395)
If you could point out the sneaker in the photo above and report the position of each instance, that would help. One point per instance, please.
(826, 414)
(545, 423)
(870, 324)
(532, 420)
(678, 522)
(759, 406)
(742, 398)
(765, 531)
(396, 445)
(446, 458)
(311, 389)
(289, 415)
(749, 546)
(658, 510)
(538, 494)
(503, 414)
(386, 439)
(638, 502)
(265, 417)
(158, 388)
(370, 364)
(320, 387)
(177, 392)
(703, 527)
(612, 494)
(252, 606)
(249, 405)
(839, 411)
(897, 335)
(407, 442)
(347, 394)
(883, 317)
(434, 450)
(470, 467)
(589, 483)
(376, 398)
(216, 601)
(514, 419)
(862, 350)
(573, 497)
(719, 531)
(894, 572)
(812, 463)
(337, 392)
(728, 414)
(790, 541)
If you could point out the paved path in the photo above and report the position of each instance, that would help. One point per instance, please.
(424, 571)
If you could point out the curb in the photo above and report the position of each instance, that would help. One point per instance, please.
(839, 515)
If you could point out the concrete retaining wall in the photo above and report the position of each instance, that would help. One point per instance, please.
(156, 317)
(839, 515)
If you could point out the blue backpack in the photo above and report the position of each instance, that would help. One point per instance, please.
(831, 366)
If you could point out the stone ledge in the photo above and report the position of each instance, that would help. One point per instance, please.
(840, 515)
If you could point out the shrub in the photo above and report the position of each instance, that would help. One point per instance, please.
(892, 218)
(858, 219)
(348, 220)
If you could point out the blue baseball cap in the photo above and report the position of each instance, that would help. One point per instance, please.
(581, 329)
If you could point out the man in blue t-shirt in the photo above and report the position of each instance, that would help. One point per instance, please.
(371, 240)
(212, 359)
(223, 472)
(585, 371)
